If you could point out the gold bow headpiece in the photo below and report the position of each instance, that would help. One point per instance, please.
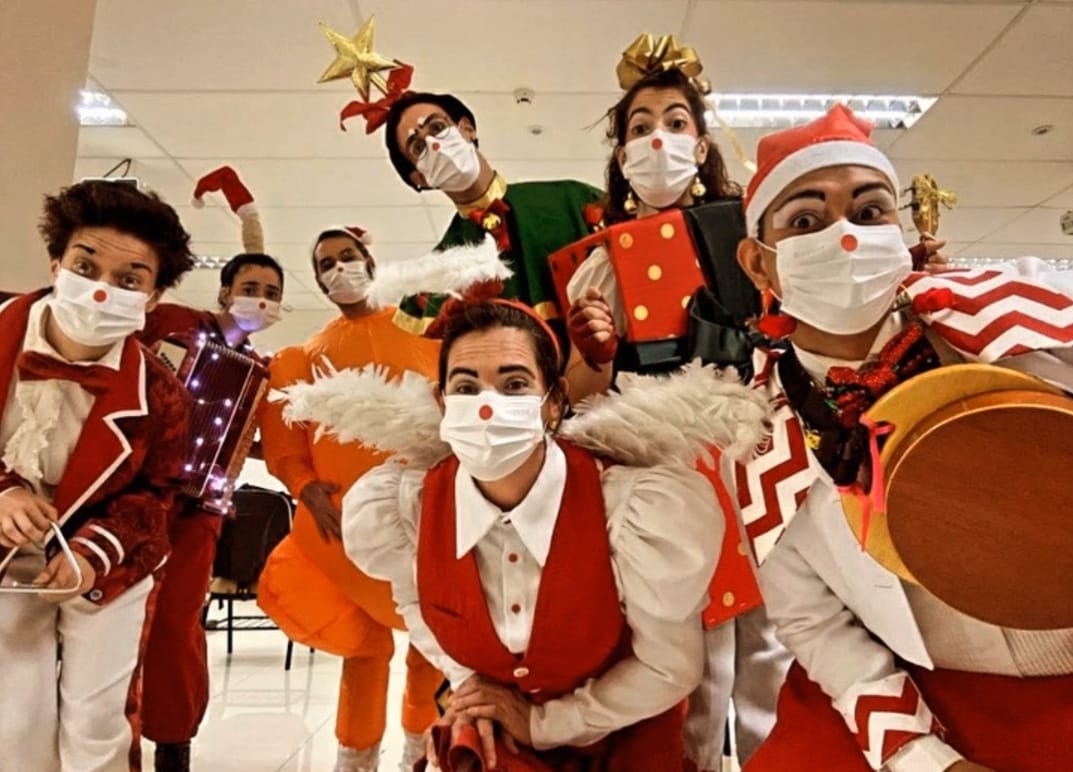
(649, 55)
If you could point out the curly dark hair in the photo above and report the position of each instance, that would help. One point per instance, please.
(712, 173)
(458, 318)
(105, 204)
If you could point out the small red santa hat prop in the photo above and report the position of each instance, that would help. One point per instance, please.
(839, 138)
(226, 180)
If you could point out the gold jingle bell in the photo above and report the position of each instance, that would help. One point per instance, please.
(491, 221)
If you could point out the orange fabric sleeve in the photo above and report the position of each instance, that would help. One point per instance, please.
(287, 450)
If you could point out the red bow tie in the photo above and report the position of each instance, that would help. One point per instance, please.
(35, 366)
(493, 219)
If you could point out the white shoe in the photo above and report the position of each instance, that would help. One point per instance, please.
(413, 750)
(354, 760)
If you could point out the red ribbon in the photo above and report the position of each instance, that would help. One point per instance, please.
(875, 499)
(501, 232)
(376, 113)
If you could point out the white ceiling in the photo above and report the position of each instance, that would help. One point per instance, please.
(209, 82)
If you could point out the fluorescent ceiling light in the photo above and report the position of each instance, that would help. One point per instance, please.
(779, 111)
(210, 262)
(98, 109)
(1059, 263)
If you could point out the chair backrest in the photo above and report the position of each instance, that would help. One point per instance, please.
(262, 518)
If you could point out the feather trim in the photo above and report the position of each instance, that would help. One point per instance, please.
(651, 420)
(439, 273)
(673, 419)
(367, 405)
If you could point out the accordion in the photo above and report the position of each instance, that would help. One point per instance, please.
(226, 386)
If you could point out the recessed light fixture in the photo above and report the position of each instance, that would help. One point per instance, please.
(779, 111)
(97, 109)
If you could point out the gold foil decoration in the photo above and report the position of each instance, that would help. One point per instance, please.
(926, 198)
(648, 55)
(356, 59)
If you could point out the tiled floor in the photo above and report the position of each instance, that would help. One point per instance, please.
(264, 719)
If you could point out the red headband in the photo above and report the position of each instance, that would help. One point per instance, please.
(487, 292)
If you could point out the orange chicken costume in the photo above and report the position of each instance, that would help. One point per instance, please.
(309, 586)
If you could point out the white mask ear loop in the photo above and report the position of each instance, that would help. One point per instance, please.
(30, 587)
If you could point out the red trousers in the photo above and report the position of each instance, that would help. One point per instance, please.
(1006, 723)
(176, 675)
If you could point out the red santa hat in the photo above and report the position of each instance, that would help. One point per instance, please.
(226, 180)
(837, 139)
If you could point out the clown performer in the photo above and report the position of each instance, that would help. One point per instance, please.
(309, 587)
(553, 569)
(922, 582)
(176, 677)
(658, 287)
(93, 436)
(432, 144)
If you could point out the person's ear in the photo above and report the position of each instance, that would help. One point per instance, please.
(751, 260)
(224, 297)
(620, 157)
(419, 181)
(468, 130)
(701, 152)
(54, 267)
(437, 394)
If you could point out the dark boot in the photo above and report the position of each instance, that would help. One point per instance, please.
(172, 757)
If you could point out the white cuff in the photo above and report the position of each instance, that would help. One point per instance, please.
(923, 754)
(555, 723)
(457, 676)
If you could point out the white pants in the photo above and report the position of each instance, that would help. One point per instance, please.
(70, 717)
(743, 663)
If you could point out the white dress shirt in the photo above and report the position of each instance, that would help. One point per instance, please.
(596, 271)
(662, 523)
(42, 420)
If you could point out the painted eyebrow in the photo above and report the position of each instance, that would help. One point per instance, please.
(461, 371)
(869, 187)
(637, 110)
(86, 247)
(817, 194)
(141, 267)
(505, 369)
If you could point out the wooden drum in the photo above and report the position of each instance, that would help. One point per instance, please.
(979, 494)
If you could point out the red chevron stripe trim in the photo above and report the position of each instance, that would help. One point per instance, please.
(873, 707)
(973, 304)
(975, 343)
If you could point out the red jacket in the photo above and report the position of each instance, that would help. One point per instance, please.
(124, 472)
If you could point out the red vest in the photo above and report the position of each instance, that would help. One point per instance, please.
(579, 630)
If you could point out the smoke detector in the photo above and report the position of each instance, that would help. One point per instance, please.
(523, 96)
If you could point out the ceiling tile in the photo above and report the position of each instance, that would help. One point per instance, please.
(385, 223)
(1063, 199)
(992, 183)
(1035, 57)
(825, 47)
(991, 128)
(1037, 226)
(551, 45)
(207, 44)
(106, 142)
(160, 175)
(972, 224)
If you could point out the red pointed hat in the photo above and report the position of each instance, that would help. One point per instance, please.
(837, 139)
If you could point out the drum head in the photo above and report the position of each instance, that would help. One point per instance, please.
(980, 508)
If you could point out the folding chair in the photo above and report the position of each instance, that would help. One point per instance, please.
(262, 518)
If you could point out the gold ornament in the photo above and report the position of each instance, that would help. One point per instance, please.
(629, 206)
(648, 55)
(926, 198)
(697, 189)
(491, 222)
(355, 59)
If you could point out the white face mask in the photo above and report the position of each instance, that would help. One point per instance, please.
(254, 314)
(94, 313)
(492, 434)
(347, 282)
(660, 166)
(843, 279)
(450, 162)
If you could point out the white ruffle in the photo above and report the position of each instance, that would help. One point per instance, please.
(40, 403)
